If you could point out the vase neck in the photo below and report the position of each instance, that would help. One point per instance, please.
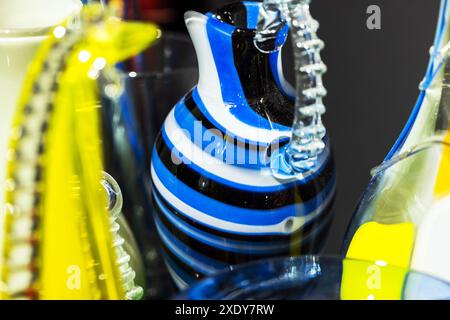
(249, 79)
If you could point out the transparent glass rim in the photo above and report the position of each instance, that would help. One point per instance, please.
(426, 144)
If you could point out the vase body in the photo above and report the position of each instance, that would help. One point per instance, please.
(402, 218)
(216, 200)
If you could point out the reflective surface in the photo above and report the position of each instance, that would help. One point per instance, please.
(310, 277)
(153, 82)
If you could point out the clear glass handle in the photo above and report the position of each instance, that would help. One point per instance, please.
(307, 130)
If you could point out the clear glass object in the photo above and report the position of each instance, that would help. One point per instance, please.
(403, 217)
(318, 278)
(127, 252)
(153, 82)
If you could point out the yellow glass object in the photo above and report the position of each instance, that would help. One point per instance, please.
(390, 243)
(364, 280)
(384, 244)
(58, 242)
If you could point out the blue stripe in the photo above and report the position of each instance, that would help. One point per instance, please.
(252, 14)
(256, 247)
(253, 188)
(189, 257)
(220, 39)
(216, 145)
(239, 215)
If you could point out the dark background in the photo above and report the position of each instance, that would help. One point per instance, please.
(372, 82)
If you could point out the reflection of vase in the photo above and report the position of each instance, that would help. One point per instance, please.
(217, 201)
(402, 218)
(23, 25)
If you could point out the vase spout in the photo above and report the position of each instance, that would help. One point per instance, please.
(196, 25)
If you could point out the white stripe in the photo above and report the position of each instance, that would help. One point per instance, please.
(210, 92)
(192, 153)
(219, 224)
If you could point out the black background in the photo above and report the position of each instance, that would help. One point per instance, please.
(372, 83)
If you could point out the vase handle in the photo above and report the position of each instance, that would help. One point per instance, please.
(308, 131)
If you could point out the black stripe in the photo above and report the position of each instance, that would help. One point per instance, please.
(299, 193)
(276, 239)
(260, 88)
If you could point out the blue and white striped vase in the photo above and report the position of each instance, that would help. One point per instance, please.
(217, 201)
